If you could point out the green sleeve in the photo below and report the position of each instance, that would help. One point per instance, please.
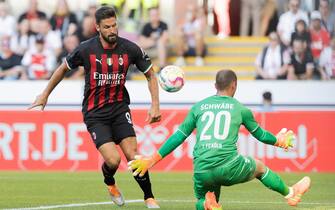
(264, 136)
(176, 139)
(252, 126)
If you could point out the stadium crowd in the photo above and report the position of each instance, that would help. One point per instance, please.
(301, 38)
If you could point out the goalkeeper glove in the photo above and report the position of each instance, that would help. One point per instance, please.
(285, 138)
(142, 164)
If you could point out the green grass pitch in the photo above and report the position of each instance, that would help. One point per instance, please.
(85, 190)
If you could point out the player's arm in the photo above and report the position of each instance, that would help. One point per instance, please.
(72, 61)
(283, 139)
(57, 76)
(154, 114)
(142, 164)
(143, 63)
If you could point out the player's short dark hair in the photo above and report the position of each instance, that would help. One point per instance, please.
(104, 13)
(224, 78)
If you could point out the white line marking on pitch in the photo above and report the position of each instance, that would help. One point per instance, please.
(165, 201)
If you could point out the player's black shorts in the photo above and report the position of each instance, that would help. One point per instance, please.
(111, 123)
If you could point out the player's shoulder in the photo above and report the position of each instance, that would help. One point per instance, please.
(87, 44)
(127, 43)
(238, 104)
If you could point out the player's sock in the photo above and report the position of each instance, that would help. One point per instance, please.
(108, 174)
(274, 182)
(145, 185)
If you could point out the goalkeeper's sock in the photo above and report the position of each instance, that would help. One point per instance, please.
(108, 174)
(274, 182)
(145, 185)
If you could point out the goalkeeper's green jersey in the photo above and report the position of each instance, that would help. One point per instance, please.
(217, 120)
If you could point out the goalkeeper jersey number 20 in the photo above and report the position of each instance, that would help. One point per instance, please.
(217, 120)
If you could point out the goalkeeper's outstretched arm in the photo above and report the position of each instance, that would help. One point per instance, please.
(184, 130)
(141, 164)
(283, 139)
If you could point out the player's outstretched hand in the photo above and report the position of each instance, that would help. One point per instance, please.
(142, 164)
(154, 115)
(285, 138)
(39, 103)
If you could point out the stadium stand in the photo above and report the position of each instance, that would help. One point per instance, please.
(237, 53)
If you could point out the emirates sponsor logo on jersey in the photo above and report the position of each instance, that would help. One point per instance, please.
(109, 78)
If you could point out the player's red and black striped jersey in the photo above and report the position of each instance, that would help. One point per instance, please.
(106, 70)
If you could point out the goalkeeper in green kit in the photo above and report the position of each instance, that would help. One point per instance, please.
(216, 161)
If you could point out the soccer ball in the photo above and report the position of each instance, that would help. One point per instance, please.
(171, 78)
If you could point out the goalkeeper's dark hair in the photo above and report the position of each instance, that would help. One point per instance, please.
(104, 12)
(224, 78)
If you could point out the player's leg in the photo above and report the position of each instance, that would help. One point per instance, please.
(124, 132)
(274, 182)
(102, 136)
(129, 148)
(112, 160)
(206, 191)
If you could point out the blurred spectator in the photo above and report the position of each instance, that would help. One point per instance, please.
(308, 5)
(328, 16)
(301, 32)
(327, 61)
(52, 39)
(39, 61)
(251, 10)
(21, 41)
(116, 4)
(70, 43)
(301, 65)
(131, 15)
(63, 20)
(281, 6)
(267, 102)
(190, 39)
(10, 63)
(221, 9)
(319, 35)
(287, 21)
(7, 22)
(92, 8)
(146, 5)
(154, 37)
(268, 11)
(272, 62)
(87, 28)
(33, 14)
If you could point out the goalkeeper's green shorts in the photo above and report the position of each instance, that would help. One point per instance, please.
(240, 169)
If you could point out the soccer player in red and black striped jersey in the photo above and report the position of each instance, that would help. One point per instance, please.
(106, 59)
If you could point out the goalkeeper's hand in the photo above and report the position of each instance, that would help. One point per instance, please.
(141, 164)
(285, 138)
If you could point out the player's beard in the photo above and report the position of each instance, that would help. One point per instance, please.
(110, 39)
